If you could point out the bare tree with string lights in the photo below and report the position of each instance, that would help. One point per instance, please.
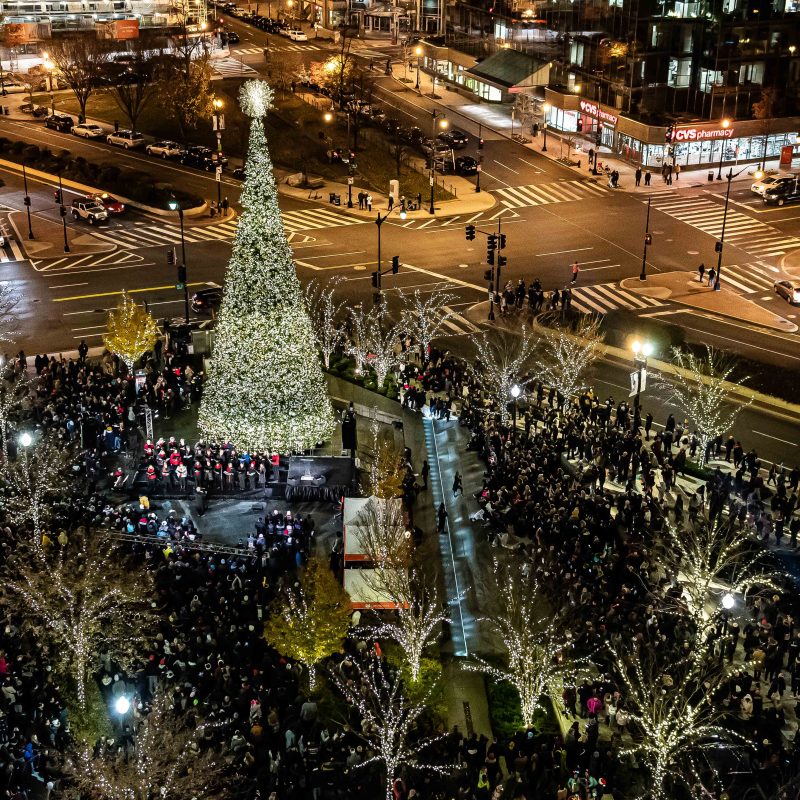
(325, 311)
(12, 394)
(566, 353)
(84, 600)
(537, 647)
(357, 345)
(702, 390)
(389, 721)
(674, 723)
(170, 759)
(424, 317)
(503, 358)
(383, 345)
(34, 480)
(383, 533)
(710, 563)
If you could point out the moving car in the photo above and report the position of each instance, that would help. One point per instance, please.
(203, 158)
(296, 35)
(786, 190)
(88, 209)
(788, 291)
(165, 149)
(109, 203)
(466, 165)
(59, 122)
(232, 37)
(126, 139)
(456, 138)
(761, 186)
(88, 131)
(207, 301)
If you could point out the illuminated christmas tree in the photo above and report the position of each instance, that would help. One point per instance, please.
(265, 389)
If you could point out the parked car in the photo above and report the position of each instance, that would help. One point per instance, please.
(56, 83)
(789, 291)
(109, 203)
(165, 149)
(436, 148)
(89, 210)
(203, 158)
(30, 108)
(126, 139)
(760, 187)
(88, 131)
(413, 136)
(11, 87)
(59, 122)
(466, 165)
(297, 35)
(232, 37)
(786, 190)
(207, 301)
(456, 138)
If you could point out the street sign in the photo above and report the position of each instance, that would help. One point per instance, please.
(350, 180)
(638, 382)
(219, 174)
(179, 286)
(480, 168)
(431, 180)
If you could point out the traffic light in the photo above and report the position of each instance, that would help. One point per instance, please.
(395, 265)
(182, 275)
(59, 196)
(63, 211)
(580, 125)
(488, 275)
(501, 261)
(171, 257)
(470, 233)
(27, 200)
(502, 239)
(375, 279)
(717, 247)
(480, 143)
(670, 133)
(648, 239)
(490, 255)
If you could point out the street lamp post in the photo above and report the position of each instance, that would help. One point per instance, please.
(641, 352)
(176, 206)
(27, 200)
(418, 53)
(545, 110)
(515, 393)
(443, 123)
(219, 124)
(379, 222)
(48, 65)
(647, 240)
(726, 123)
(721, 243)
(63, 212)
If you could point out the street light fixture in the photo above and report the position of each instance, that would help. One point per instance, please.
(219, 124)
(725, 124)
(418, 53)
(175, 205)
(122, 706)
(515, 393)
(379, 222)
(545, 112)
(728, 601)
(25, 439)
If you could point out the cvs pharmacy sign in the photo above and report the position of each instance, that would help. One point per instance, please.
(698, 134)
(593, 110)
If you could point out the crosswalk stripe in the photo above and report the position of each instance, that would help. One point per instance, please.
(471, 327)
(604, 297)
(536, 194)
(587, 296)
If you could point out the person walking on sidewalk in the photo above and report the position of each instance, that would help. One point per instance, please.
(701, 271)
(441, 518)
(458, 486)
(647, 177)
(711, 276)
(677, 171)
(575, 270)
(638, 175)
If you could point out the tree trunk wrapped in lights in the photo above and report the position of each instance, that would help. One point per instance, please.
(357, 345)
(424, 317)
(170, 760)
(265, 389)
(673, 715)
(310, 620)
(535, 642)
(503, 358)
(566, 354)
(383, 346)
(84, 601)
(700, 388)
(131, 331)
(389, 721)
(325, 310)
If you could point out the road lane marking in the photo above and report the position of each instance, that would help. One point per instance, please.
(776, 438)
(67, 285)
(561, 252)
(130, 291)
(505, 166)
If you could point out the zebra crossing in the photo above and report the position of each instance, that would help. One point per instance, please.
(539, 194)
(749, 278)
(604, 297)
(231, 67)
(741, 230)
(146, 235)
(257, 51)
(11, 252)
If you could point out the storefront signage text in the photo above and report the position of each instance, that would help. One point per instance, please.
(698, 134)
(593, 110)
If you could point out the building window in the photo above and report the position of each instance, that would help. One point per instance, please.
(752, 73)
(680, 70)
(709, 78)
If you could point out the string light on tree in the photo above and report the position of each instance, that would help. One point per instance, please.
(131, 331)
(265, 389)
(325, 310)
(383, 346)
(425, 317)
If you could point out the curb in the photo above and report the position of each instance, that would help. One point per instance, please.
(75, 249)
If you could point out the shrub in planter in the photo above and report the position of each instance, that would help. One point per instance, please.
(30, 154)
(5, 144)
(17, 147)
(109, 174)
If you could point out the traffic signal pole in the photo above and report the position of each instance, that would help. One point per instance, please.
(495, 244)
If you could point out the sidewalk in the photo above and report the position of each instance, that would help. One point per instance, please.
(686, 289)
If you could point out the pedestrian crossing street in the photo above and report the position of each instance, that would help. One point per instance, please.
(741, 230)
(604, 297)
(539, 194)
(231, 67)
(147, 235)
